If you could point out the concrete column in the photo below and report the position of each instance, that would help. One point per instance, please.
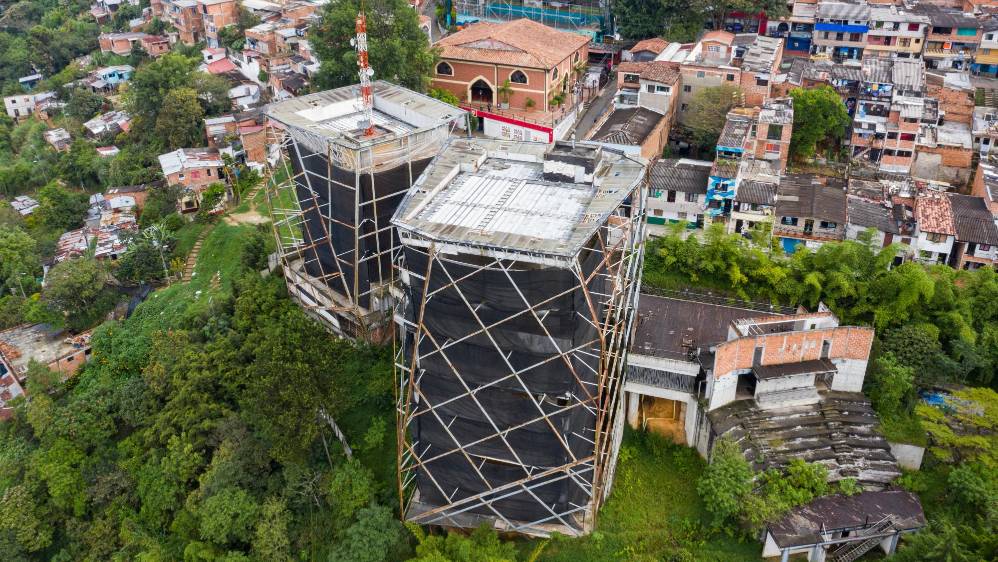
(818, 553)
(633, 405)
(785, 556)
(893, 544)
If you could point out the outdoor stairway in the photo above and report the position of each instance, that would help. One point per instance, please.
(851, 551)
(192, 258)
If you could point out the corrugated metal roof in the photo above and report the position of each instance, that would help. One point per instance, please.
(687, 176)
(844, 11)
(870, 214)
(809, 196)
(756, 193)
(973, 220)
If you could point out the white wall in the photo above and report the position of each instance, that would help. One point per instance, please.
(784, 383)
(721, 391)
(908, 456)
(499, 130)
(849, 377)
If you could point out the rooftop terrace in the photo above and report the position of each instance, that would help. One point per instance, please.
(497, 195)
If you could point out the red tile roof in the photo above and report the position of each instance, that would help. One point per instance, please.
(521, 42)
(221, 66)
(934, 214)
(656, 71)
(655, 45)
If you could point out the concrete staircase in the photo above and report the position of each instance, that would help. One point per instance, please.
(192, 257)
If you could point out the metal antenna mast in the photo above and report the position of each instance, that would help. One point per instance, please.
(365, 71)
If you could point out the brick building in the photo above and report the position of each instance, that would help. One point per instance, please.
(708, 64)
(840, 30)
(194, 169)
(197, 20)
(119, 43)
(537, 64)
(759, 66)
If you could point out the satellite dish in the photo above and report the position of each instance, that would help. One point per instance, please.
(353, 42)
(370, 72)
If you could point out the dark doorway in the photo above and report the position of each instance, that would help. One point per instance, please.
(481, 92)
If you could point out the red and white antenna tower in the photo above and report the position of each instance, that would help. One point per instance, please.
(365, 72)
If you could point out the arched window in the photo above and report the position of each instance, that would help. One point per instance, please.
(518, 77)
(576, 59)
(445, 69)
(554, 73)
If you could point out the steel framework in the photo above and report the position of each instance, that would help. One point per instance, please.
(510, 367)
(332, 192)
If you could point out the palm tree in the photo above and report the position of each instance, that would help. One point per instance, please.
(505, 90)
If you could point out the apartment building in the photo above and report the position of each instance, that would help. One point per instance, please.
(986, 56)
(985, 185)
(645, 105)
(840, 30)
(935, 231)
(708, 64)
(197, 20)
(677, 192)
(759, 66)
(976, 234)
(810, 210)
(952, 39)
(895, 32)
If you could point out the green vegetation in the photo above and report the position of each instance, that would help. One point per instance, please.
(193, 433)
(653, 513)
(820, 118)
(706, 116)
(934, 327)
(398, 50)
(679, 20)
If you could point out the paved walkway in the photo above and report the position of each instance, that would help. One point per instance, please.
(595, 110)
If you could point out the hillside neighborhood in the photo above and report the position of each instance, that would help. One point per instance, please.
(457, 280)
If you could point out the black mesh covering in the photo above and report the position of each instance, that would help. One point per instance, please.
(482, 427)
(339, 202)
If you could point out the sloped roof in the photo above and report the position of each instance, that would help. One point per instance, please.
(870, 214)
(521, 42)
(756, 192)
(684, 175)
(812, 196)
(656, 71)
(974, 222)
(628, 126)
(221, 66)
(934, 214)
(655, 45)
(762, 54)
(802, 525)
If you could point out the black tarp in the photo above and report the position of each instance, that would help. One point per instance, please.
(339, 202)
(563, 322)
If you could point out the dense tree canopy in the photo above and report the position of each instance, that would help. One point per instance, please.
(708, 112)
(820, 117)
(399, 50)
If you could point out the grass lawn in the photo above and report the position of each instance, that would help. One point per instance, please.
(186, 236)
(653, 513)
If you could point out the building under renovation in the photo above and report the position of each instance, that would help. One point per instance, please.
(343, 173)
(519, 271)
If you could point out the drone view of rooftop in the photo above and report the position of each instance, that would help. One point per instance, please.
(344, 177)
(519, 274)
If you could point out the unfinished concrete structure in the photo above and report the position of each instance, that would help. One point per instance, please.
(335, 190)
(519, 271)
(781, 384)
